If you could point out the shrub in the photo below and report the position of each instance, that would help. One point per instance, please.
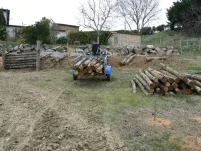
(61, 40)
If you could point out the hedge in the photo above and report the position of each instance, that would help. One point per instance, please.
(88, 37)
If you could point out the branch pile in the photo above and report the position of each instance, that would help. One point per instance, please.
(127, 59)
(89, 66)
(166, 81)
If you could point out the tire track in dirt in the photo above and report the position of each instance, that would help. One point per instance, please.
(36, 119)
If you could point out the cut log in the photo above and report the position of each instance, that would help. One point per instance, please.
(176, 79)
(76, 72)
(133, 86)
(129, 59)
(191, 83)
(198, 83)
(99, 68)
(154, 79)
(143, 82)
(159, 91)
(157, 75)
(198, 89)
(86, 62)
(187, 91)
(141, 86)
(192, 76)
(155, 58)
(177, 91)
(164, 88)
(171, 70)
(126, 58)
(175, 85)
(80, 62)
(148, 81)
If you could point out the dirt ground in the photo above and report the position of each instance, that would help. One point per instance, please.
(48, 111)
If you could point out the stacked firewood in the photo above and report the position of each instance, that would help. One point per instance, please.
(166, 81)
(88, 66)
(127, 59)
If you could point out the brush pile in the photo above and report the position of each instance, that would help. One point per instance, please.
(88, 66)
(166, 81)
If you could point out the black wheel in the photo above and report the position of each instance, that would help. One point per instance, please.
(108, 77)
(74, 77)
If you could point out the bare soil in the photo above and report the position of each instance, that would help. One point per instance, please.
(33, 118)
(158, 122)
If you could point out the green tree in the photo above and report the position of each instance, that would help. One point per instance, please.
(3, 32)
(160, 28)
(185, 13)
(41, 30)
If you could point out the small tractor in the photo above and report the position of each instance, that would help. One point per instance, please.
(103, 68)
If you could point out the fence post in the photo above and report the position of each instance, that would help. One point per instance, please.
(3, 56)
(38, 55)
(181, 47)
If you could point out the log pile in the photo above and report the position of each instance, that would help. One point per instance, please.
(127, 59)
(167, 81)
(22, 60)
(89, 66)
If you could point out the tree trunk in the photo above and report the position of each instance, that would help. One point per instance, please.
(155, 58)
(143, 82)
(154, 79)
(192, 76)
(146, 78)
(141, 86)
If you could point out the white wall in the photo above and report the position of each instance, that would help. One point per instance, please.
(11, 31)
(62, 34)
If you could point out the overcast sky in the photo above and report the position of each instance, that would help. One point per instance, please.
(27, 12)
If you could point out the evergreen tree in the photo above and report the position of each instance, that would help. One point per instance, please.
(3, 32)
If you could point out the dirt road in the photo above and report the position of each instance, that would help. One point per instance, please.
(36, 119)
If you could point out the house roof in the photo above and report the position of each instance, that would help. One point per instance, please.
(15, 26)
(59, 24)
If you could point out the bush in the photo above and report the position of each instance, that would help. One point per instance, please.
(88, 37)
(61, 40)
(146, 31)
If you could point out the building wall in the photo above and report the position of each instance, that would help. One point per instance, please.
(62, 34)
(11, 31)
(124, 39)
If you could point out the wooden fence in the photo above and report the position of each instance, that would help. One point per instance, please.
(22, 60)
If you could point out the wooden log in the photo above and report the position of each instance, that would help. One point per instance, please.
(76, 72)
(86, 62)
(159, 91)
(141, 86)
(79, 62)
(148, 81)
(177, 91)
(176, 79)
(198, 89)
(126, 58)
(198, 83)
(192, 76)
(133, 86)
(169, 93)
(154, 79)
(164, 78)
(144, 83)
(191, 83)
(175, 85)
(171, 70)
(170, 88)
(164, 88)
(92, 74)
(155, 58)
(157, 75)
(99, 68)
(187, 91)
(130, 59)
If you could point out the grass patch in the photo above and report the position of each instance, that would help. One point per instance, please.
(194, 68)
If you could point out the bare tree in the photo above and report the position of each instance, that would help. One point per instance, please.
(138, 12)
(96, 15)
